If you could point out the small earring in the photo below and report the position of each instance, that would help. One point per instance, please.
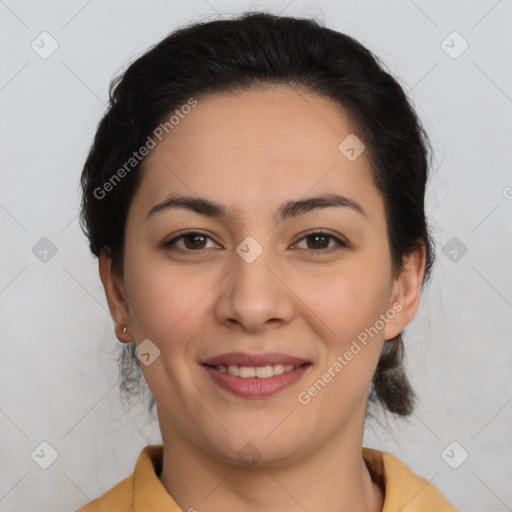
(124, 329)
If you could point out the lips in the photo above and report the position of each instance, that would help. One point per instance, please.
(254, 360)
(255, 376)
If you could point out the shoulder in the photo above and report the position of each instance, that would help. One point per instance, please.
(119, 499)
(143, 481)
(404, 490)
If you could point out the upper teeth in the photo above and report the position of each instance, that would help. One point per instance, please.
(262, 372)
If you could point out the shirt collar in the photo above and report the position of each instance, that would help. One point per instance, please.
(149, 494)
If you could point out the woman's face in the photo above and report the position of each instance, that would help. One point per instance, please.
(261, 280)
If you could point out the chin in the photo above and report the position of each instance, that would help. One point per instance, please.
(260, 445)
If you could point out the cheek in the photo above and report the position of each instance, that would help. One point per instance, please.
(347, 298)
(167, 306)
(171, 305)
(345, 306)
(164, 302)
(349, 347)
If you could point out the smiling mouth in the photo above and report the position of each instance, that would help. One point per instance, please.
(260, 372)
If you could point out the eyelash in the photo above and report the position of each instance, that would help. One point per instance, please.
(170, 245)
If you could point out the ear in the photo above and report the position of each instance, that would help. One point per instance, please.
(406, 293)
(116, 298)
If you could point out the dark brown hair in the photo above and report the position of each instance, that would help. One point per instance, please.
(252, 50)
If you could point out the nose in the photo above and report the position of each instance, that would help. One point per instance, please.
(254, 295)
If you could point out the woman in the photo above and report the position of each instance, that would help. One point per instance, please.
(255, 196)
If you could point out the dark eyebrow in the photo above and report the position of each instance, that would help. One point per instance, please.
(287, 210)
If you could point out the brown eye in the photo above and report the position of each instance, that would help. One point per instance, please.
(193, 241)
(319, 241)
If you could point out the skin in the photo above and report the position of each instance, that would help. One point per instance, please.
(251, 151)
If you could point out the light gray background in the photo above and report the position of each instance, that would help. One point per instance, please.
(58, 374)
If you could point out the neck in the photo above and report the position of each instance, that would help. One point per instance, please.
(334, 477)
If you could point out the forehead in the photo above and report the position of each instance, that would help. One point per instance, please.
(252, 148)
